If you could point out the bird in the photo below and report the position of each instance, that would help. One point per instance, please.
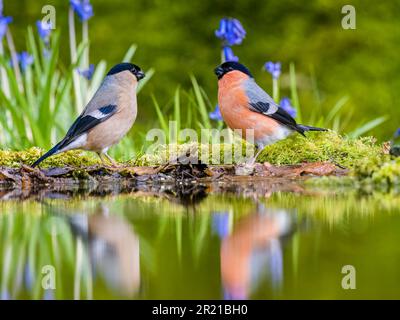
(395, 144)
(107, 117)
(245, 105)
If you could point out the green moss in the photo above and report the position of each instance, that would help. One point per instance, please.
(14, 159)
(321, 146)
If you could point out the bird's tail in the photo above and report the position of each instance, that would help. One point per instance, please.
(309, 128)
(49, 153)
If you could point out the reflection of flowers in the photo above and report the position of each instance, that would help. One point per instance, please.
(220, 223)
(5, 295)
(48, 294)
(275, 262)
(28, 277)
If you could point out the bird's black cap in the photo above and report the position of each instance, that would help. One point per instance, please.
(228, 66)
(125, 66)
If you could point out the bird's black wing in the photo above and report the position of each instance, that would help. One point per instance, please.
(85, 122)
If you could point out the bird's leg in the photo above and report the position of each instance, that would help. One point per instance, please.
(252, 161)
(101, 158)
(113, 162)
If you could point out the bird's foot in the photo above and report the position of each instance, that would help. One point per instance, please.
(245, 169)
(108, 161)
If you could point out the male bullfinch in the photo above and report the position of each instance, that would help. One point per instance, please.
(108, 116)
(244, 105)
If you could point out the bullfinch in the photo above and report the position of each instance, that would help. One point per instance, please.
(395, 144)
(108, 116)
(245, 105)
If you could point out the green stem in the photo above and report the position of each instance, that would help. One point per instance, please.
(4, 80)
(293, 91)
(14, 59)
(275, 90)
(72, 45)
(85, 64)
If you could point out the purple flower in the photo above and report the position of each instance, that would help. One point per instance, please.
(216, 114)
(82, 8)
(5, 295)
(24, 60)
(229, 55)
(220, 223)
(397, 133)
(87, 73)
(44, 30)
(273, 68)
(286, 105)
(230, 31)
(4, 22)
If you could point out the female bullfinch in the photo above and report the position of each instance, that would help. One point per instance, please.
(108, 116)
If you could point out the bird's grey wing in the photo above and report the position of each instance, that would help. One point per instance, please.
(88, 121)
(260, 101)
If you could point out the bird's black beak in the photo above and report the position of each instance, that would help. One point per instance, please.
(219, 72)
(140, 75)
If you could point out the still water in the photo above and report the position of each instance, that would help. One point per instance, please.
(236, 243)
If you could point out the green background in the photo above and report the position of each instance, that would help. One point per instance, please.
(177, 39)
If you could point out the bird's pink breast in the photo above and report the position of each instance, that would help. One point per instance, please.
(235, 111)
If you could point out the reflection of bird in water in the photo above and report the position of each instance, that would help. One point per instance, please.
(113, 249)
(253, 249)
(186, 195)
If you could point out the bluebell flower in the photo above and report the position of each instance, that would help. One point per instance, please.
(397, 133)
(24, 60)
(230, 31)
(273, 68)
(220, 223)
(286, 105)
(4, 22)
(44, 30)
(82, 8)
(216, 114)
(229, 55)
(87, 73)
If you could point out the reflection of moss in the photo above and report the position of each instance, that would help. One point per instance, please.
(379, 171)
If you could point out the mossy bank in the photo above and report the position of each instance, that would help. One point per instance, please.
(364, 157)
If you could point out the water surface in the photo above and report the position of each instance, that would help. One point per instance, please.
(236, 243)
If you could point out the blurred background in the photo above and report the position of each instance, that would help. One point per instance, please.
(177, 39)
